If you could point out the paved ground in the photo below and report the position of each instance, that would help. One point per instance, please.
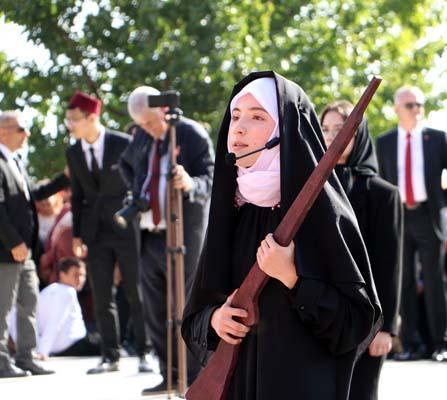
(407, 381)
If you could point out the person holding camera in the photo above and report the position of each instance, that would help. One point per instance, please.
(97, 193)
(145, 164)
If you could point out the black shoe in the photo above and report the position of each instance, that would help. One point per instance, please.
(11, 371)
(160, 389)
(144, 364)
(104, 366)
(33, 367)
(412, 353)
(405, 356)
(440, 354)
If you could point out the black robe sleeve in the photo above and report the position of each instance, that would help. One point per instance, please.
(199, 335)
(385, 250)
(342, 317)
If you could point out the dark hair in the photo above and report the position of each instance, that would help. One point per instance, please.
(342, 107)
(64, 264)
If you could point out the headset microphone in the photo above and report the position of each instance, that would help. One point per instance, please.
(230, 158)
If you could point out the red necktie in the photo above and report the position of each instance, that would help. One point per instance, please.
(408, 175)
(154, 185)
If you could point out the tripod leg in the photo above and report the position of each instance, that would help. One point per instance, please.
(169, 319)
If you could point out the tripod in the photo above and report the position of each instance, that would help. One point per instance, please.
(175, 272)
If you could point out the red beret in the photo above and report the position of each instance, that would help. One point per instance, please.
(85, 103)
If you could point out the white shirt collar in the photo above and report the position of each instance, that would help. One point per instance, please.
(416, 131)
(97, 144)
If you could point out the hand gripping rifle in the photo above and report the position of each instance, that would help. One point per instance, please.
(214, 380)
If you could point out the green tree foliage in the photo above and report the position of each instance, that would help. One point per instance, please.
(200, 47)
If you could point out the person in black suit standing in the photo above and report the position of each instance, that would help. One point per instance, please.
(378, 209)
(147, 153)
(19, 284)
(412, 157)
(97, 193)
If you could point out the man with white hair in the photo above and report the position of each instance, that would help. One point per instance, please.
(413, 157)
(18, 240)
(145, 165)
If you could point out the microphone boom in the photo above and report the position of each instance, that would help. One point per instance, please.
(230, 158)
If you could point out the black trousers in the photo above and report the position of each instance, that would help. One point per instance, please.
(365, 378)
(102, 257)
(89, 345)
(419, 237)
(153, 281)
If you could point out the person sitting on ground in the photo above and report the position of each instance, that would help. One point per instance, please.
(58, 242)
(61, 327)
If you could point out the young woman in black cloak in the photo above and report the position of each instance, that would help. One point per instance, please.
(378, 208)
(321, 305)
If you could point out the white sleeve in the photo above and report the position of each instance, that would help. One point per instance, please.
(57, 309)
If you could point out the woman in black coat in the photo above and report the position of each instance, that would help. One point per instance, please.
(377, 206)
(320, 306)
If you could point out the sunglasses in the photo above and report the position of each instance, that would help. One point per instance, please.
(410, 106)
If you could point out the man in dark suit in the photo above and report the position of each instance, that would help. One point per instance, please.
(18, 240)
(413, 157)
(145, 163)
(97, 193)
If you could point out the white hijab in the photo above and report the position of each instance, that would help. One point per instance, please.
(260, 183)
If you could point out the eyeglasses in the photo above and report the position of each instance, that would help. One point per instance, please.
(410, 106)
(18, 128)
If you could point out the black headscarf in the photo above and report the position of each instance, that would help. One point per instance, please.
(361, 162)
(329, 246)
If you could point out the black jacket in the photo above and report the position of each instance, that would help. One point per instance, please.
(435, 160)
(93, 207)
(378, 209)
(18, 217)
(196, 155)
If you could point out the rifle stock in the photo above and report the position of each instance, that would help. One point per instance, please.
(214, 380)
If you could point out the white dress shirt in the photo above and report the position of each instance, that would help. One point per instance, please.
(15, 170)
(98, 149)
(59, 319)
(146, 221)
(417, 163)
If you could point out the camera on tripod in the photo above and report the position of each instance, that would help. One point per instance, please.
(132, 207)
(170, 98)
